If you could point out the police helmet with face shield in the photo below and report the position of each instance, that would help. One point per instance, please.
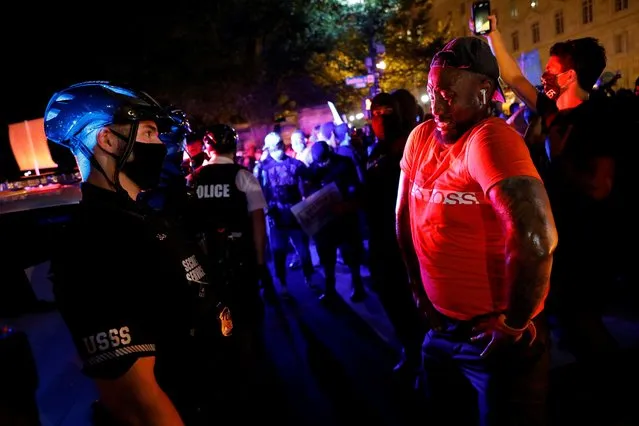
(222, 138)
(175, 138)
(71, 110)
(177, 131)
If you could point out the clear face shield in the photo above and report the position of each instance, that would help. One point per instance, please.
(174, 136)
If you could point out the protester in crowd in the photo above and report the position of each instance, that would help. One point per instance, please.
(477, 235)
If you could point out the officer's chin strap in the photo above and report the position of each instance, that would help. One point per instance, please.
(96, 165)
(114, 181)
(128, 149)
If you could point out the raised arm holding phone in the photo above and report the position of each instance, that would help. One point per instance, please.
(581, 138)
(508, 68)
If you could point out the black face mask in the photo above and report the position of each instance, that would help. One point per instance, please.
(392, 128)
(552, 88)
(146, 167)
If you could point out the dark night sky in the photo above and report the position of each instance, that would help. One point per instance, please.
(46, 49)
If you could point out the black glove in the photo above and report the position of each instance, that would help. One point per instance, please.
(264, 277)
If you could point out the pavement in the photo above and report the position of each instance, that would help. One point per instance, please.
(329, 366)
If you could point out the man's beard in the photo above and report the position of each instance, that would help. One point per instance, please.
(452, 137)
(446, 140)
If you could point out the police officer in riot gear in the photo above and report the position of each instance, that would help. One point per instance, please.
(128, 283)
(171, 195)
(230, 208)
(174, 139)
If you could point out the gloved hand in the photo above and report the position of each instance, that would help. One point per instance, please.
(265, 281)
(264, 276)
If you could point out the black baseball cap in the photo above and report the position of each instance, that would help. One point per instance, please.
(471, 54)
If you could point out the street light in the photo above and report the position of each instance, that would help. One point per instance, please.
(369, 30)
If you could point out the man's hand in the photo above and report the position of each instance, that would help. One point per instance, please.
(493, 25)
(135, 398)
(499, 334)
(265, 280)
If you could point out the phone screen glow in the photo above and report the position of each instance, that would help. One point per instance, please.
(481, 11)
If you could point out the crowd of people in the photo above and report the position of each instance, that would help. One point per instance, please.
(480, 229)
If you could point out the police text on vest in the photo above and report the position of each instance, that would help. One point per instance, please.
(214, 191)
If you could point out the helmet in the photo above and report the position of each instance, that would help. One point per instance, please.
(179, 127)
(222, 138)
(272, 141)
(72, 109)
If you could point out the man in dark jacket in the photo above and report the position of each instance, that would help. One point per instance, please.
(343, 231)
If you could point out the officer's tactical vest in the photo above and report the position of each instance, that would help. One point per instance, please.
(222, 214)
(219, 203)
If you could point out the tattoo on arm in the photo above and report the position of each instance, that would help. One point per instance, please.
(522, 205)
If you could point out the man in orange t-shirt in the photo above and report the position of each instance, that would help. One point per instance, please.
(477, 235)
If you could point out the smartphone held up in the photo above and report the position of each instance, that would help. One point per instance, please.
(480, 13)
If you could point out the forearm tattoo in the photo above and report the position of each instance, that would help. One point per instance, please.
(522, 204)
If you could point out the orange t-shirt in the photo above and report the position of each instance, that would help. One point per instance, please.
(457, 236)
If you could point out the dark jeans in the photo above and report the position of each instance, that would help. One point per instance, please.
(509, 385)
(279, 239)
(343, 234)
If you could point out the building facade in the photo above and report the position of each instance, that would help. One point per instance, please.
(531, 27)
